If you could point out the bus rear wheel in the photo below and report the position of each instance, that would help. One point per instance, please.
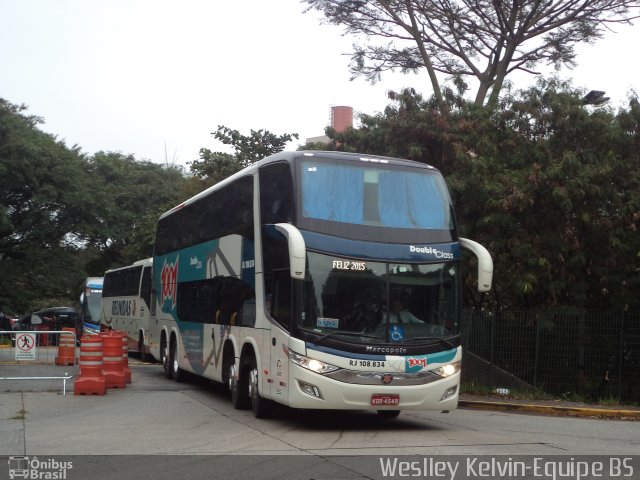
(228, 369)
(239, 386)
(164, 358)
(176, 372)
(141, 347)
(261, 406)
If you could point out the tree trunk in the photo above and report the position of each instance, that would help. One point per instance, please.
(483, 90)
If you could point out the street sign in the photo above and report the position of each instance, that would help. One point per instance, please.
(26, 346)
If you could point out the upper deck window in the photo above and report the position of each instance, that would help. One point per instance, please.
(225, 211)
(387, 196)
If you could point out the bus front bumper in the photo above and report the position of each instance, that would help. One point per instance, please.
(315, 391)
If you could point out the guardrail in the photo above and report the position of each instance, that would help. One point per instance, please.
(39, 355)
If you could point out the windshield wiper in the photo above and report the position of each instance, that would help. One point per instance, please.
(346, 332)
(442, 340)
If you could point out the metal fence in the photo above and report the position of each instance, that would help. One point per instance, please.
(595, 355)
(49, 356)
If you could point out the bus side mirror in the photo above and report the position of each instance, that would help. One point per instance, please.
(297, 249)
(485, 263)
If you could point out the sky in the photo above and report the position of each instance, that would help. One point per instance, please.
(154, 78)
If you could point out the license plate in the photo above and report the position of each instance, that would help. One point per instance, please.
(381, 399)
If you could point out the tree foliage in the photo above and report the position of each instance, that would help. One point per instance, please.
(484, 40)
(551, 187)
(130, 195)
(247, 149)
(42, 210)
(64, 216)
(559, 202)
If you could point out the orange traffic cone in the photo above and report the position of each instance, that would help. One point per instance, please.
(91, 380)
(66, 348)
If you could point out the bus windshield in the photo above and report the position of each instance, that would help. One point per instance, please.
(376, 302)
(91, 304)
(93, 299)
(374, 194)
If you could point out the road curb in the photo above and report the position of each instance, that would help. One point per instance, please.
(551, 409)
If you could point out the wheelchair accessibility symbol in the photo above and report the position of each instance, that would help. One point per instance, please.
(396, 333)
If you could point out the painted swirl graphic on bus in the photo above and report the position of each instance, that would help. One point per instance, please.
(169, 280)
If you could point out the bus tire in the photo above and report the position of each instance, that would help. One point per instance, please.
(164, 358)
(176, 372)
(261, 406)
(228, 371)
(389, 413)
(143, 356)
(240, 387)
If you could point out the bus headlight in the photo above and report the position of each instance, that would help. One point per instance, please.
(447, 370)
(310, 363)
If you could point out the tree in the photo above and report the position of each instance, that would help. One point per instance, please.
(551, 187)
(129, 197)
(64, 216)
(410, 127)
(483, 39)
(43, 211)
(215, 166)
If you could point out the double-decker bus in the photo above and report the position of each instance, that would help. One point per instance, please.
(321, 280)
(91, 304)
(126, 298)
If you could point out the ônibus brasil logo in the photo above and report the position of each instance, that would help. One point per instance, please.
(169, 280)
(38, 469)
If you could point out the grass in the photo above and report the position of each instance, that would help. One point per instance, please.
(475, 388)
(609, 401)
(21, 415)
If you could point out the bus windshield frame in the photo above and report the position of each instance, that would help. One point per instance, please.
(360, 302)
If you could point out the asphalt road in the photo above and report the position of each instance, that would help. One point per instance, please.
(154, 416)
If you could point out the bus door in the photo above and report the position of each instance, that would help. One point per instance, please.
(280, 311)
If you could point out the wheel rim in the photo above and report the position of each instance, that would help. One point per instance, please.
(253, 383)
(232, 377)
(175, 359)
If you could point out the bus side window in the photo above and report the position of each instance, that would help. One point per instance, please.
(152, 307)
(276, 193)
(197, 301)
(248, 317)
(145, 286)
(247, 306)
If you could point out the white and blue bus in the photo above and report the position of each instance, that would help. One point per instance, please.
(91, 305)
(321, 280)
(126, 298)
